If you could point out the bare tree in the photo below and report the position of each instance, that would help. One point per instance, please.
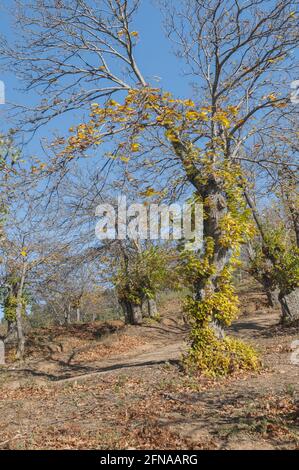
(240, 55)
(26, 251)
(73, 53)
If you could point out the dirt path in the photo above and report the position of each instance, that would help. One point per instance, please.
(163, 344)
(140, 399)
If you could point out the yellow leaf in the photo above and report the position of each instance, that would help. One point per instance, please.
(170, 135)
(189, 103)
(222, 118)
(203, 115)
(272, 97)
(150, 192)
(192, 115)
(112, 103)
(135, 147)
(135, 34)
(233, 110)
(24, 253)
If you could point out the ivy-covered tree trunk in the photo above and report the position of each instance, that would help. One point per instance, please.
(10, 305)
(215, 206)
(214, 303)
(215, 209)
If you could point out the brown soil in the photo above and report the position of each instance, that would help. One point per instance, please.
(110, 386)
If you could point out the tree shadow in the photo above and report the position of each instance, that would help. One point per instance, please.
(247, 326)
(87, 371)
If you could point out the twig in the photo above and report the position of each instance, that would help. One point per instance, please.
(11, 439)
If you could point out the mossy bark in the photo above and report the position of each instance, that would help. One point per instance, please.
(214, 210)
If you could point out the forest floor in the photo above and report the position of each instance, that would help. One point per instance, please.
(111, 386)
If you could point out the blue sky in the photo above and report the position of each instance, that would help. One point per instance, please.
(153, 54)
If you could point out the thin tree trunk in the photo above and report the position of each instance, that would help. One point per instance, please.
(19, 309)
(289, 191)
(132, 311)
(67, 315)
(20, 332)
(78, 314)
(2, 352)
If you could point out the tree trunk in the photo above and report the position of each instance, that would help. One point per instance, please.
(290, 307)
(78, 314)
(20, 332)
(272, 295)
(152, 308)
(136, 314)
(11, 331)
(216, 209)
(67, 315)
(125, 309)
(144, 309)
(19, 309)
(149, 308)
(289, 302)
(270, 301)
(132, 312)
(2, 353)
